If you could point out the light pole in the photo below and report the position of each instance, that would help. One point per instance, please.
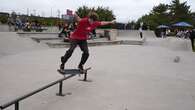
(34, 12)
(51, 12)
(58, 11)
(27, 11)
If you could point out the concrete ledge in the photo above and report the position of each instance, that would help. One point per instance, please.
(98, 43)
(131, 42)
(37, 33)
(40, 39)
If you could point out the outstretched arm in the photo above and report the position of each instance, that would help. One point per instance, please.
(101, 23)
(107, 22)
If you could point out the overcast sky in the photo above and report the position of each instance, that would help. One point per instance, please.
(124, 10)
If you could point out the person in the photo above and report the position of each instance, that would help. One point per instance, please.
(93, 34)
(10, 23)
(80, 35)
(64, 30)
(18, 24)
(192, 36)
(140, 32)
(162, 34)
(59, 26)
(27, 26)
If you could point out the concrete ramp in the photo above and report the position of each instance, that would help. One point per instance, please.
(172, 43)
(135, 34)
(11, 43)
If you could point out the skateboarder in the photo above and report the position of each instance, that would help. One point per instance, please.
(80, 36)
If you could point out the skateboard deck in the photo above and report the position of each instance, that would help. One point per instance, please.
(73, 71)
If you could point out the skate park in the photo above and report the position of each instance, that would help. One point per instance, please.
(142, 76)
(130, 65)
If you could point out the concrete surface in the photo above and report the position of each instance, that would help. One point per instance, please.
(123, 77)
(135, 34)
(172, 43)
(11, 43)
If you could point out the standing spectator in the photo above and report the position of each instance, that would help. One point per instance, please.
(10, 23)
(18, 24)
(192, 36)
(187, 34)
(162, 34)
(141, 32)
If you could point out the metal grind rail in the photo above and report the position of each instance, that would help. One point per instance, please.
(60, 81)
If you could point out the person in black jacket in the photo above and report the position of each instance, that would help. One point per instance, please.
(192, 36)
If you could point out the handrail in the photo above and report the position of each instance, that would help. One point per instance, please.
(17, 100)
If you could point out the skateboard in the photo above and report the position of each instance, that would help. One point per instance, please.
(74, 72)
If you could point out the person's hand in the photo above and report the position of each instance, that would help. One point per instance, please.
(113, 22)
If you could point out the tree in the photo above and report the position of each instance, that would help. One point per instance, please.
(167, 14)
(83, 11)
(131, 25)
(193, 18)
(159, 15)
(105, 14)
(180, 11)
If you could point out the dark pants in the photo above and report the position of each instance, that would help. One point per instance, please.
(141, 35)
(84, 48)
(192, 43)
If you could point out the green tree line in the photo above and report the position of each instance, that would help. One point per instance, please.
(104, 13)
(168, 14)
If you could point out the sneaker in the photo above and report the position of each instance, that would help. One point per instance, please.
(80, 67)
(61, 71)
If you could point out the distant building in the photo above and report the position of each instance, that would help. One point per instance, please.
(3, 17)
(4, 14)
